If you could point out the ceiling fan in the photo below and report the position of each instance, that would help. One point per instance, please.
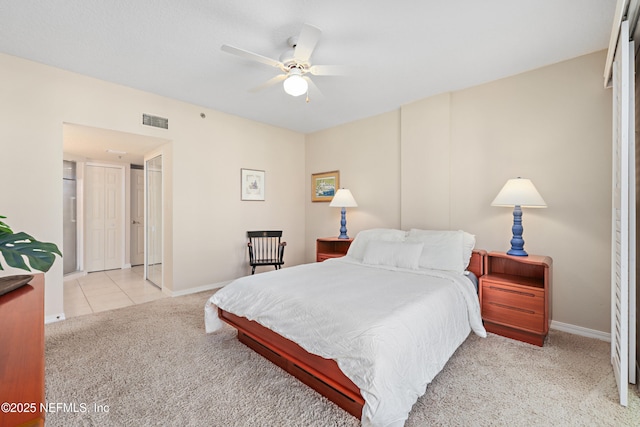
(294, 63)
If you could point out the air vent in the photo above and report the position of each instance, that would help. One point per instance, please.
(155, 121)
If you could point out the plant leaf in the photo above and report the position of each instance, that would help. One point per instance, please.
(4, 228)
(16, 247)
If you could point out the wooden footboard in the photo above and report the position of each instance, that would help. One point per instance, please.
(323, 375)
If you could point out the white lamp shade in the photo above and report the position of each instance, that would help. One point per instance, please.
(343, 199)
(519, 192)
(295, 84)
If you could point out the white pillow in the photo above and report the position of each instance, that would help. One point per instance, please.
(443, 250)
(468, 241)
(359, 244)
(393, 254)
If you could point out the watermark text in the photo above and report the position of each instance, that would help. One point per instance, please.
(52, 407)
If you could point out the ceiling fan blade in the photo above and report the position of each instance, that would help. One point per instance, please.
(313, 90)
(253, 56)
(269, 83)
(329, 70)
(307, 41)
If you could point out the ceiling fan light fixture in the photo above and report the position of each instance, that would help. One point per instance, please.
(294, 63)
(295, 85)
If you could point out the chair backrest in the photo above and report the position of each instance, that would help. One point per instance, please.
(265, 246)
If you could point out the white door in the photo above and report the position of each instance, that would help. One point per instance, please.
(137, 217)
(94, 218)
(104, 216)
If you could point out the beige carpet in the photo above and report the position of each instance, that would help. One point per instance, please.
(152, 364)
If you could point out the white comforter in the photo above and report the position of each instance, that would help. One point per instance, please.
(390, 330)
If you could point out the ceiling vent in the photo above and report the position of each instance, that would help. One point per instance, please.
(155, 121)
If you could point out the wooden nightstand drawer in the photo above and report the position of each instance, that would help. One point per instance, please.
(516, 306)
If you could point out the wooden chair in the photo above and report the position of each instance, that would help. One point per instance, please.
(265, 248)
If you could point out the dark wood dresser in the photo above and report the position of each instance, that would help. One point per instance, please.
(22, 355)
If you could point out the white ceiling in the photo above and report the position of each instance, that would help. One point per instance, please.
(82, 143)
(400, 51)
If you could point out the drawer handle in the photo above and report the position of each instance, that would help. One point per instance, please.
(526, 294)
(513, 308)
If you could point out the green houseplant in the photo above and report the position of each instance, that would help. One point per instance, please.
(20, 250)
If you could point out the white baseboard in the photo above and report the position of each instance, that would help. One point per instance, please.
(54, 318)
(74, 275)
(579, 330)
(196, 290)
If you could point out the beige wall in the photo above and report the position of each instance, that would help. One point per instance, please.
(426, 163)
(205, 220)
(553, 126)
(456, 151)
(367, 154)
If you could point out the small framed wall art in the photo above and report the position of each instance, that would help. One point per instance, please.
(252, 184)
(324, 186)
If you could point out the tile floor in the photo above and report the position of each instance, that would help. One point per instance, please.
(107, 290)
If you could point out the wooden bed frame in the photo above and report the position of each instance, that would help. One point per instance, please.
(323, 375)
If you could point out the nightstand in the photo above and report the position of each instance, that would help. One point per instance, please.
(515, 296)
(331, 247)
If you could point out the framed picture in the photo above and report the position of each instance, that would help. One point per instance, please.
(324, 186)
(252, 184)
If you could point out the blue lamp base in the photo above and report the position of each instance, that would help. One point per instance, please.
(343, 224)
(517, 242)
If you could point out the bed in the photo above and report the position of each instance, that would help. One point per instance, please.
(369, 330)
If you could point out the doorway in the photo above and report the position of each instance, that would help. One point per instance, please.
(86, 145)
(127, 284)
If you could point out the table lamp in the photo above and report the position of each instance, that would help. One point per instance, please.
(343, 199)
(519, 193)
